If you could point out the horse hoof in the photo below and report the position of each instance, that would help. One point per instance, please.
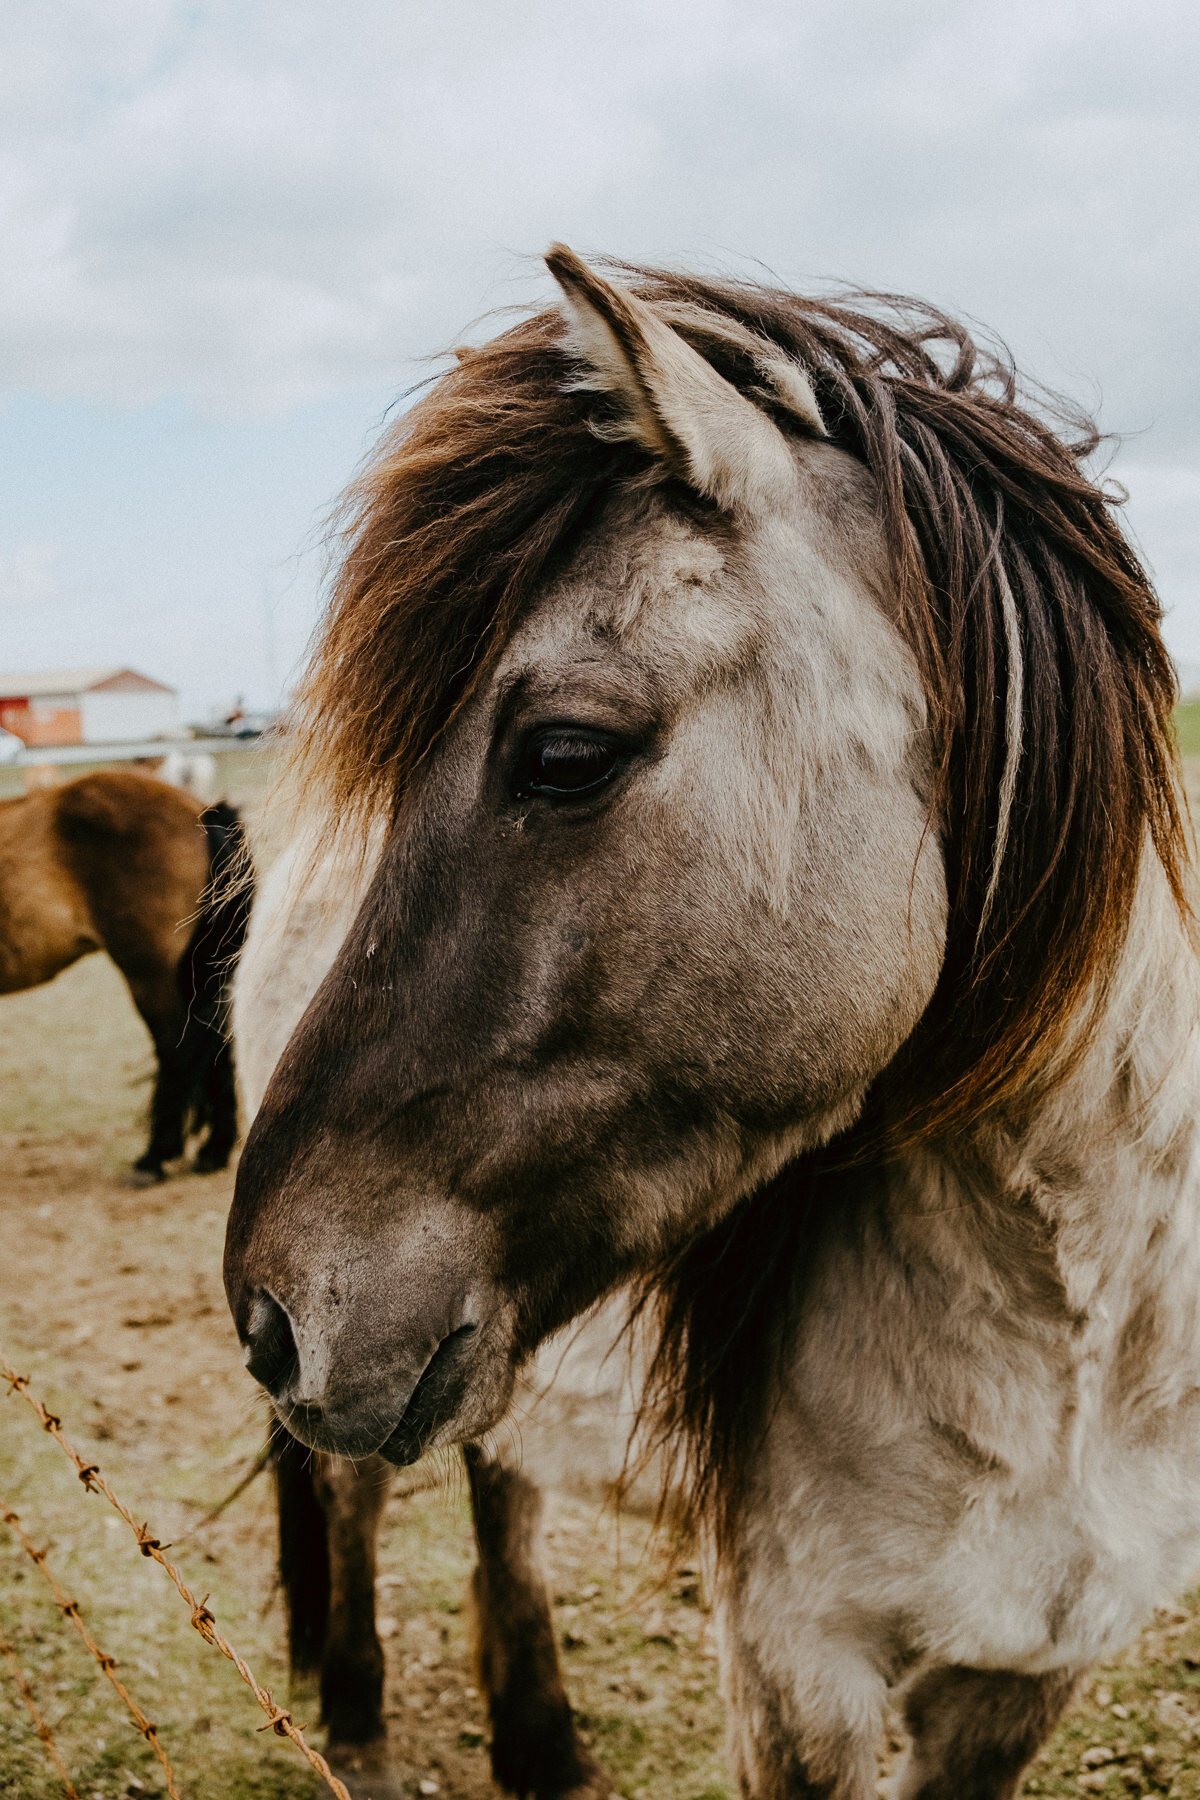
(209, 1165)
(144, 1174)
(377, 1786)
(594, 1784)
(363, 1768)
(578, 1778)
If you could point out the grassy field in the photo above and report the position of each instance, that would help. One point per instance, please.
(1187, 724)
(111, 1298)
(242, 772)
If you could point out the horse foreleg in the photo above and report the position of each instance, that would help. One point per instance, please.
(974, 1730)
(220, 1110)
(167, 1109)
(804, 1703)
(352, 1497)
(156, 997)
(535, 1749)
(303, 1552)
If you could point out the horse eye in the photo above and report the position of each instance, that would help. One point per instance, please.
(564, 764)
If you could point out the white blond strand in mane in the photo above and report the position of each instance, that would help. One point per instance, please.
(1012, 739)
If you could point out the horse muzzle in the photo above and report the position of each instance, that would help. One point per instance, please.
(370, 1314)
(435, 1383)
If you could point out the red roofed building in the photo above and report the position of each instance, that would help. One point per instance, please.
(87, 706)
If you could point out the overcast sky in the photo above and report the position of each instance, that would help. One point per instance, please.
(232, 233)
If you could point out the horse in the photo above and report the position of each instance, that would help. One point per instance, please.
(781, 913)
(120, 862)
(577, 1408)
(195, 771)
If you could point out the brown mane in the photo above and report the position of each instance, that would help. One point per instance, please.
(994, 529)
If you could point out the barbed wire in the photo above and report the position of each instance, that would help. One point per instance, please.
(39, 1724)
(70, 1610)
(279, 1719)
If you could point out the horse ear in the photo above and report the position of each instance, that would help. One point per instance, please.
(675, 404)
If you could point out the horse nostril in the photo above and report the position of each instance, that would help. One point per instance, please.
(271, 1355)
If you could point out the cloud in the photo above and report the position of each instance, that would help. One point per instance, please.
(1163, 518)
(28, 575)
(255, 207)
(262, 216)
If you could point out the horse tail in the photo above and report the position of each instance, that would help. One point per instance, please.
(220, 929)
(204, 974)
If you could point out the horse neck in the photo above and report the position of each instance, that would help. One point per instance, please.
(1099, 1168)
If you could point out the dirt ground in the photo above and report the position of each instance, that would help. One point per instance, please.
(111, 1299)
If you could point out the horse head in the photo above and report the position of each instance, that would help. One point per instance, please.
(673, 871)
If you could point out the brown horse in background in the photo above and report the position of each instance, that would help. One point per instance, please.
(119, 862)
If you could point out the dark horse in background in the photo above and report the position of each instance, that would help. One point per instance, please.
(116, 861)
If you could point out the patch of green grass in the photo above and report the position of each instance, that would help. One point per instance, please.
(1135, 1729)
(1187, 727)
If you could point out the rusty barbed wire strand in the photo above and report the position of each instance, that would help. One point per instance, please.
(108, 1667)
(278, 1718)
(39, 1724)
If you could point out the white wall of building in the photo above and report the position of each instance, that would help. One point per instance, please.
(115, 716)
